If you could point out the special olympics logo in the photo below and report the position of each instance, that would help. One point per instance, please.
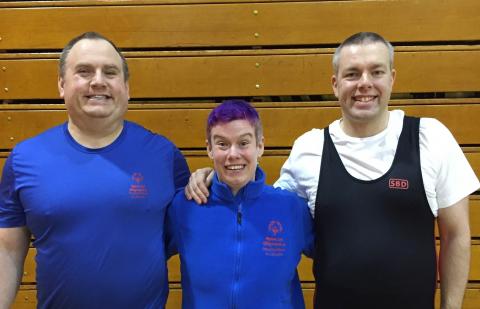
(275, 227)
(137, 177)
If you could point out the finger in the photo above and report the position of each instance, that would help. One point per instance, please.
(210, 178)
(188, 189)
(195, 192)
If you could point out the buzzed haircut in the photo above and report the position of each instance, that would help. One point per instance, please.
(359, 39)
(89, 36)
(235, 109)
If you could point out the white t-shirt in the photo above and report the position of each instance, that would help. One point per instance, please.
(447, 175)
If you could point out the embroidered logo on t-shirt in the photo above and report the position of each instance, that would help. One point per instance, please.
(273, 243)
(138, 189)
(396, 183)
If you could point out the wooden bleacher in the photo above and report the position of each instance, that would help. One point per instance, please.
(187, 55)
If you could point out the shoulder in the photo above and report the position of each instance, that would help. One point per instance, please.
(52, 134)
(309, 143)
(180, 202)
(286, 197)
(146, 137)
(435, 134)
(179, 198)
(286, 203)
(32, 148)
(308, 137)
(432, 124)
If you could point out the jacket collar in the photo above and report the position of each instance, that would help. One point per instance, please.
(250, 191)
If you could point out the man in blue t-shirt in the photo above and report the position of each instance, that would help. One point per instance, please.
(93, 193)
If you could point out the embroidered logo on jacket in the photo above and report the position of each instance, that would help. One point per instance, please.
(396, 183)
(273, 243)
(138, 189)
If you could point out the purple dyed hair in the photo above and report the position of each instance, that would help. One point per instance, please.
(231, 110)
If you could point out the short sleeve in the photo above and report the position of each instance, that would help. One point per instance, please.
(11, 211)
(448, 176)
(299, 174)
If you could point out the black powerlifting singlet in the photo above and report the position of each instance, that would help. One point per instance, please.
(375, 245)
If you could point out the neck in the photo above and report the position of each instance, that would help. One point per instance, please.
(364, 128)
(95, 135)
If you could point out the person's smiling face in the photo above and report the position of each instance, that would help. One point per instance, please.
(235, 150)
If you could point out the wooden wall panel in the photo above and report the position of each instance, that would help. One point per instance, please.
(294, 23)
(304, 268)
(26, 298)
(282, 125)
(217, 75)
(272, 161)
(475, 218)
(471, 301)
(249, 48)
(306, 264)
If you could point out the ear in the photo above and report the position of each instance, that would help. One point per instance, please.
(261, 147)
(393, 74)
(128, 90)
(61, 84)
(209, 149)
(334, 85)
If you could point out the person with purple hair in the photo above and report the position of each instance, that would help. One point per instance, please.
(241, 249)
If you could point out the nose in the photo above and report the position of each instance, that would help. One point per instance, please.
(365, 80)
(233, 152)
(98, 79)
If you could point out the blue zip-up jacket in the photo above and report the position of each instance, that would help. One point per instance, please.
(241, 251)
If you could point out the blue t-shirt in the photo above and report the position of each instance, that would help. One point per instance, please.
(97, 215)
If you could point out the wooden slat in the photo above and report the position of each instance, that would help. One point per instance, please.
(249, 75)
(471, 301)
(78, 3)
(474, 160)
(26, 299)
(475, 217)
(304, 268)
(211, 24)
(174, 300)
(29, 268)
(185, 127)
(272, 161)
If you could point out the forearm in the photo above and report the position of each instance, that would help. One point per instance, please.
(454, 268)
(10, 277)
(13, 249)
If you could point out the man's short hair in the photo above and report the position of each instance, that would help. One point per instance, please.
(89, 36)
(230, 110)
(359, 39)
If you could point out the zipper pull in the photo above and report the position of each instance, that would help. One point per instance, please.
(239, 218)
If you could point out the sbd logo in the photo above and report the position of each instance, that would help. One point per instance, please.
(394, 183)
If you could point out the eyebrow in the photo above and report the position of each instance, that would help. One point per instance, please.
(107, 66)
(112, 66)
(243, 135)
(373, 66)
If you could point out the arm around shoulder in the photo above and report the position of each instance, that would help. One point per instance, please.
(13, 250)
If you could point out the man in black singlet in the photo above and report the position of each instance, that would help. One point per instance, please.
(376, 181)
